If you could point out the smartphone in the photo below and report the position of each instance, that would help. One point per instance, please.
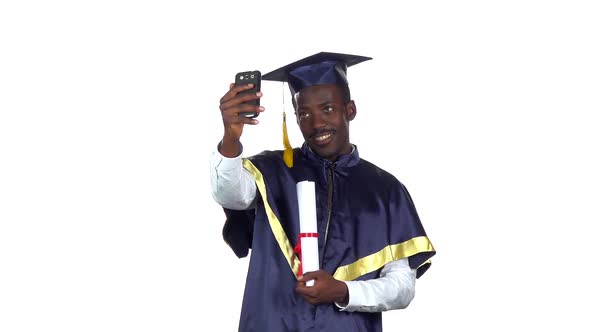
(247, 77)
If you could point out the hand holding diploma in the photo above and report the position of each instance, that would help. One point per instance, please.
(315, 285)
(326, 289)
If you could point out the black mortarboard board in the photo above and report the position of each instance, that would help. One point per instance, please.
(320, 68)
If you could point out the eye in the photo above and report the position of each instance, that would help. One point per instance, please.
(328, 108)
(302, 115)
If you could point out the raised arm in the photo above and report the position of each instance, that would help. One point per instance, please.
(231, 185)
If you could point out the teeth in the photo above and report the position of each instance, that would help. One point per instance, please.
(323, 137)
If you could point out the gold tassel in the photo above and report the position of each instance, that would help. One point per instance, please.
(288, 153)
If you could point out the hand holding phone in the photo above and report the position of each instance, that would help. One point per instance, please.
(249, 77)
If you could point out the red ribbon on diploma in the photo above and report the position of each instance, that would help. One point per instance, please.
(297, 250)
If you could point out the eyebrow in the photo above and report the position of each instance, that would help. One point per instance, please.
(322, 104)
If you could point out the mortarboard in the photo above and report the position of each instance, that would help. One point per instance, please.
(318, 69)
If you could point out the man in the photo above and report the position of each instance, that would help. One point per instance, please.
(372, 246)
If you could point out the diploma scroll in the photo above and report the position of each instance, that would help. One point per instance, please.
(308, 228)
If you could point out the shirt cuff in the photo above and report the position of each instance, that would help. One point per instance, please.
(223, 163)
(354, 297)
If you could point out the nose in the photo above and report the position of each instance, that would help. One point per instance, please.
(318, 120)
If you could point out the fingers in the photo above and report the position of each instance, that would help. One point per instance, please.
(310, 294)
(232, 104)
(302, 289)
(239, 104)
(326, 289)
(234, 90)
(233, 119)
(301, 280)
(310, 275)
(231, 115)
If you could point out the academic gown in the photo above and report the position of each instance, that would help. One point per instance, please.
(366, 218)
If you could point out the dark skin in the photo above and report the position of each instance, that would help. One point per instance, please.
(230, 105)
(323, 117)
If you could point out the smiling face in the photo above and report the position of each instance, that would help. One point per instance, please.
(323, 116)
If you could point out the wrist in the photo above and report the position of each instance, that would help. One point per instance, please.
(343, 298)
(230, 146)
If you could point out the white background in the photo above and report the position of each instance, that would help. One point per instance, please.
(109, 110)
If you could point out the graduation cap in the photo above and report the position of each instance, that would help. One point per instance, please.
(318, 69)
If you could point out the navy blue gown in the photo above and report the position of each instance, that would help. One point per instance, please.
(366, 218)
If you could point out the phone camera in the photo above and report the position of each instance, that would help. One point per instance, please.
(252, 76)
(241, 77)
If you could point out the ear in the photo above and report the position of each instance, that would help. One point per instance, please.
(350, 110)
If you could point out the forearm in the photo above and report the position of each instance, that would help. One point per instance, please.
(232, 186)
(394, 289)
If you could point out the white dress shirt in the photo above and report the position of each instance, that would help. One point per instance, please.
(233, 187)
